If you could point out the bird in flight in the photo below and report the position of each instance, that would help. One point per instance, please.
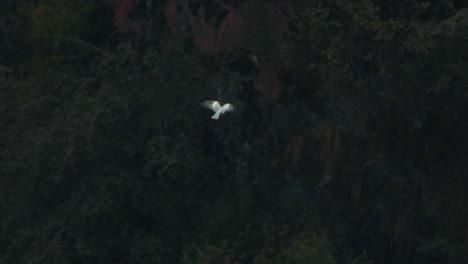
(217, 108)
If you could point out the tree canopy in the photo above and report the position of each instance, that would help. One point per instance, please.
(348, 143)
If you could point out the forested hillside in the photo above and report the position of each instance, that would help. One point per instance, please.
(348, 143)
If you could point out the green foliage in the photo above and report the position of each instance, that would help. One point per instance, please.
(59, 19)
(107, 157)
(272, 244)
(57, 28)
(308, 250)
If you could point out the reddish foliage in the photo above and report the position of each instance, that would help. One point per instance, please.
(172, 15)
(267, 82)
(121, 19)
(278, 22)
(205, 35)
(232, 30)
(232, 33)
(178, 21)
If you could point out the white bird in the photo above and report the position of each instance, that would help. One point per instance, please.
(217, 108)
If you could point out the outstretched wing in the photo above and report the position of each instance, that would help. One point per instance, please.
(228, 108)
(213, 105)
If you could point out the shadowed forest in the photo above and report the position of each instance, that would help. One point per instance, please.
(348, 143)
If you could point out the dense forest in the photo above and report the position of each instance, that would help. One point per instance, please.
(348, 143)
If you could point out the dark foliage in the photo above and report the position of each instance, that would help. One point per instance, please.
(348, 143)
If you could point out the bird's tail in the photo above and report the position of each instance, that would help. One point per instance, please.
(216, 115)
